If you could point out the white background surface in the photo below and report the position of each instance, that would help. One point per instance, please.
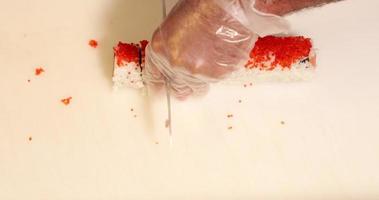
(95, 148)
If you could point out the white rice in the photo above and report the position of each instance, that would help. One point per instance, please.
(126, 76)
(302, 70)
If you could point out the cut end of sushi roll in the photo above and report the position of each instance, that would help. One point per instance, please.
(127, 71)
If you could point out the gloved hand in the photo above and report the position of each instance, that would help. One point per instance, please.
(202, 41)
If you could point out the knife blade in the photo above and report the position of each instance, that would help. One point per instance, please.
(168, 86)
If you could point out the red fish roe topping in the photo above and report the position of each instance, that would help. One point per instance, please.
(283, 51)
(93, 43)
(39, 71)
(125, 52)
(66, 101)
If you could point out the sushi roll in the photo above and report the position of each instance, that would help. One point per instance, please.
(278, 58)
(127, 71)
(273, 58)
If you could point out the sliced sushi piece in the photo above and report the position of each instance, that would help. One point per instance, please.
(127, 70)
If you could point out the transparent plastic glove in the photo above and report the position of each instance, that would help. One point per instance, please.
(203, 41)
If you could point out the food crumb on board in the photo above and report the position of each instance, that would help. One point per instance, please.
(66, 101)
(39, 71)
(240, 101)
(135, 116)
(229, 116)
(93, 43)
(28, 80)
(156, 142)
(282, 122)
(246, 85)
(132, 109)
(167, 123)
(30, 138)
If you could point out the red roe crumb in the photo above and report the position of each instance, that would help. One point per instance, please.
(93, 43)
(125, 52)
(66, 101)
(282, 51)
(39, 71)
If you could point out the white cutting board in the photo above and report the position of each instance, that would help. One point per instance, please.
(95, 149)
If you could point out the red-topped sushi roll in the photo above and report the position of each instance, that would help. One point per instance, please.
(283, 53)
(275, 58)
(127, 66)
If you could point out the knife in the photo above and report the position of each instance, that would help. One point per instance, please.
(168, 86)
